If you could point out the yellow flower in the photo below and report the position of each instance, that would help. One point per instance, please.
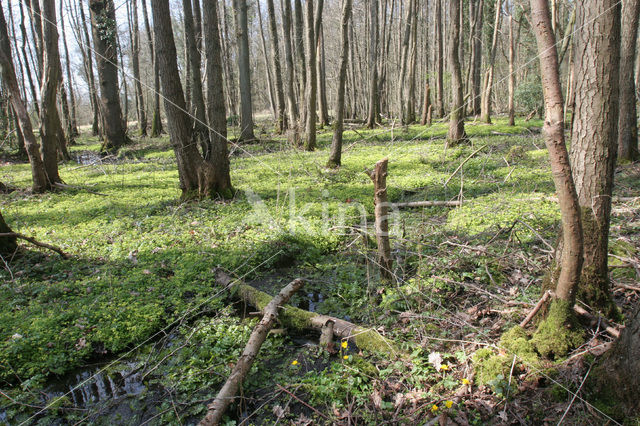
(466, 381)
(294, 362)
(344, 344)
(444, 367)
(434, 408)
(345, 357)
(448, 404)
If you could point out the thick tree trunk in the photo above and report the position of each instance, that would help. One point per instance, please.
(156, 120)
(485, 114)
(628, 120)
(374, 98)
(379, 177)
(103, 22)
(281, 120)
(135, 63)
(219, 155)
(312, 79)
(193, 54)
(439, 60)
(288, 51)
(197, 177)
(456, 119)
(244, 69)
(50, 126)
(335, 157)
(38, 173)
(594, 140)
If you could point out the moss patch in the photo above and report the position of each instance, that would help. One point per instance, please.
(516, 341)
(559, 332)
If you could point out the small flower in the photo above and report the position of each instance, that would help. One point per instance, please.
(345, 357)
(448, 404)
(466, 381)
(434, 408)
(344, 344)
(444, 367)
(294, 362)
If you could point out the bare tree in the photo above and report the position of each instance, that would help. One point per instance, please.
(374, 100)
(135, 64)
(488, 76)
(456, 119)
(312, 81)
(439, 60)
(156, 121)
(281, 120)
(288, 49)
(246, 105)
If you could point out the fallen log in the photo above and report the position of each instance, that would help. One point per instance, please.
(217, 408)
(35, 243)
(301, 320)
(428, 204)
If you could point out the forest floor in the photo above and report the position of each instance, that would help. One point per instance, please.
(133, 328)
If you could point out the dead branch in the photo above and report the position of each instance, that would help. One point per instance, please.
(242, 367)
(534, 311)
(299, 319)
(381, 202)
(592, 318)
(35, 243)
(428, 204)
(463, 163)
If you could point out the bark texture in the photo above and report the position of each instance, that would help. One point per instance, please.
(628, 120)
(8, 245)
(594, 139)
(244, 70)
(103, 23)
(456, 133)
(281, 120)
(312, 79)
(381, 202)
(485, 114)
(374, 100)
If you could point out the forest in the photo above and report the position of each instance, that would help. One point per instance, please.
(349, 212)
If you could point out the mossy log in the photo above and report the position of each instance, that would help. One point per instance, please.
(299, 319)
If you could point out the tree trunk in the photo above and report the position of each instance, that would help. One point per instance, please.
(594, 140)
(439, 61)
(512, 74)
(197, 96)
(156, 121)
(379, 177)
(411, 94)
(628, 120)
(267, 67)
(135, 63)
(488, 76)
(50, 126)
(312, 79)
(72, 98)
(288, 51)
(456, 133)
(219, 155)
(32, 86)
(403, 62)
(300, 55)
(335, 157)
(374, 99)
(197, 177)
(103, 22)
(244, 70)
(38, 173)
(281, 120)
(476, 56)
(8, 245)
(322, 79)
(97, 114)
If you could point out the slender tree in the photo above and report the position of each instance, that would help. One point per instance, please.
(244, 70)
(628, 120)
(374, 99)
(312, 81)
(439, 60)
(281, 120)
(135, 64)
(38, 173)
(103, 23)
(73, 131)
(456, 120)
(288, 49)
(335, 157)
(487, 89)
(512, 74)
(156, 121)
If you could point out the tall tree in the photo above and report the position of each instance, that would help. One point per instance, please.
(219, 155)
(96, 127)
(73, 131)
(197, 176)
(38, 173)
(244, 70)
(594, 139)
(281, 120)
(312, 81)
(301, 62)
(156, 121)
(487, 89)
(135, 63)
(456, 119)
(475, 62)
(103, 23)
(197, 96)
(512, 74)
(374, 100)
(50, 126)
(335, 157)
(567, 279)
(628, 120)
(439, 60)
(288, 49)
(404, 59)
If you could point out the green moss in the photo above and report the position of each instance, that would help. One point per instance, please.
(516, 341)
(559, 332)
(488, 365)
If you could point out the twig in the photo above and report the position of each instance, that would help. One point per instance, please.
(534, 311)
(575, 395)
(428, 204)
(79, 188)
(483, 291)
(35, 243)
(303, 403)
(627, 287)
(537, 234)
(463, 163)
